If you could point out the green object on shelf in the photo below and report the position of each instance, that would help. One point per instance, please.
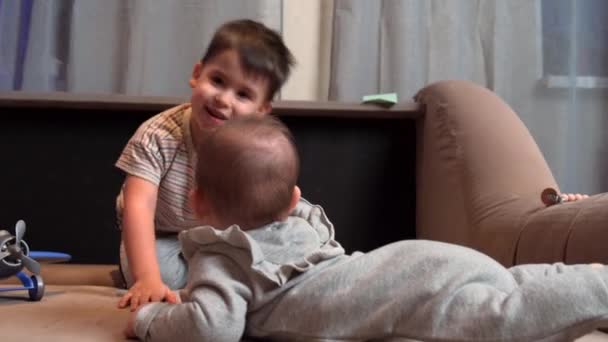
(385, 99)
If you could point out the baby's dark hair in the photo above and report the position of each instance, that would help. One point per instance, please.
(261, 51)
(247, 170)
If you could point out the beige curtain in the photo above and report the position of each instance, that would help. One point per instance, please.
(402, 45)
(385, 46)
(138, 47)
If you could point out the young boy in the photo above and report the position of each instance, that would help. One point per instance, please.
(289, 280)
(244, 66)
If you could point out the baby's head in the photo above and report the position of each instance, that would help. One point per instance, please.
(244, 66)
(246, 174)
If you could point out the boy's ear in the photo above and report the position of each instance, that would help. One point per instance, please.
(265, 108)
(196, 73)
(198, 203)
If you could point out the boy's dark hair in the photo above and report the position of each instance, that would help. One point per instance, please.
(261, 50)
(247, 170)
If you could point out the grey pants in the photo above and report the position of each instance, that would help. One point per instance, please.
(173, 267)
(431, 291)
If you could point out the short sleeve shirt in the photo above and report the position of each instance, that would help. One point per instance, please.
(161, 152)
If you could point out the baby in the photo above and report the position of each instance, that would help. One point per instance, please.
(244, 66)
(265, 265)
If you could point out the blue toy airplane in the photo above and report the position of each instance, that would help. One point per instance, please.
(15, 255)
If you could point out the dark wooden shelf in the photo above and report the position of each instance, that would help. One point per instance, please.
(147, 104)
(59, 149)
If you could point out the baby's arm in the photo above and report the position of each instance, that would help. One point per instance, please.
(138, 236)
(214, 306)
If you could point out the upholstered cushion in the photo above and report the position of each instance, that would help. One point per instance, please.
(65, 313)
(572, 232)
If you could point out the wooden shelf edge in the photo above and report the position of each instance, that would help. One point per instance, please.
(332, 109)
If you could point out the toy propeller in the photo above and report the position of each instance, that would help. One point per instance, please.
(15, 252)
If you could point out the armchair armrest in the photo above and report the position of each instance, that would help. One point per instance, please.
(479, 178)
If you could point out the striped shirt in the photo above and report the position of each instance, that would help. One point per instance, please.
(161, 151)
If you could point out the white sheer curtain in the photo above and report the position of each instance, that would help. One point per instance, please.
(402, 45)
(140, 47)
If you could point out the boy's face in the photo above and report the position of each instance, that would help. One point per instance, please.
(221, 90)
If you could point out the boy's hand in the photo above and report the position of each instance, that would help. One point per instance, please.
(173, 297)
(144, 291)
(573, 197)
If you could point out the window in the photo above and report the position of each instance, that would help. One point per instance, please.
(575, 43)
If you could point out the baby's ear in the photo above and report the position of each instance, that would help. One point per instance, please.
(198, 203)
(295, 198)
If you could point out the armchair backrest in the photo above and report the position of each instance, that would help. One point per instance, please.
(479, 171)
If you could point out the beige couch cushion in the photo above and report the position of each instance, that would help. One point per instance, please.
(65, 313)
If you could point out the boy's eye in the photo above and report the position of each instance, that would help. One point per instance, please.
(244, 95)
(217, 80)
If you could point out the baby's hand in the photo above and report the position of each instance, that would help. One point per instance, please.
(129, 331)
(572, 197)
(144, 291)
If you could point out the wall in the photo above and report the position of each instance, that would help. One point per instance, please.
(307, 32)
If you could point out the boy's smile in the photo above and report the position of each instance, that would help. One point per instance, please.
(222, 89)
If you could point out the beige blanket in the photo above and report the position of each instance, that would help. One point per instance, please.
(65, 313)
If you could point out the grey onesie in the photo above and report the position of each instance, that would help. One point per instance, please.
(291, 281)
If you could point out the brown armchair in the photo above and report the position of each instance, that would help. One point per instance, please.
(480, 175)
